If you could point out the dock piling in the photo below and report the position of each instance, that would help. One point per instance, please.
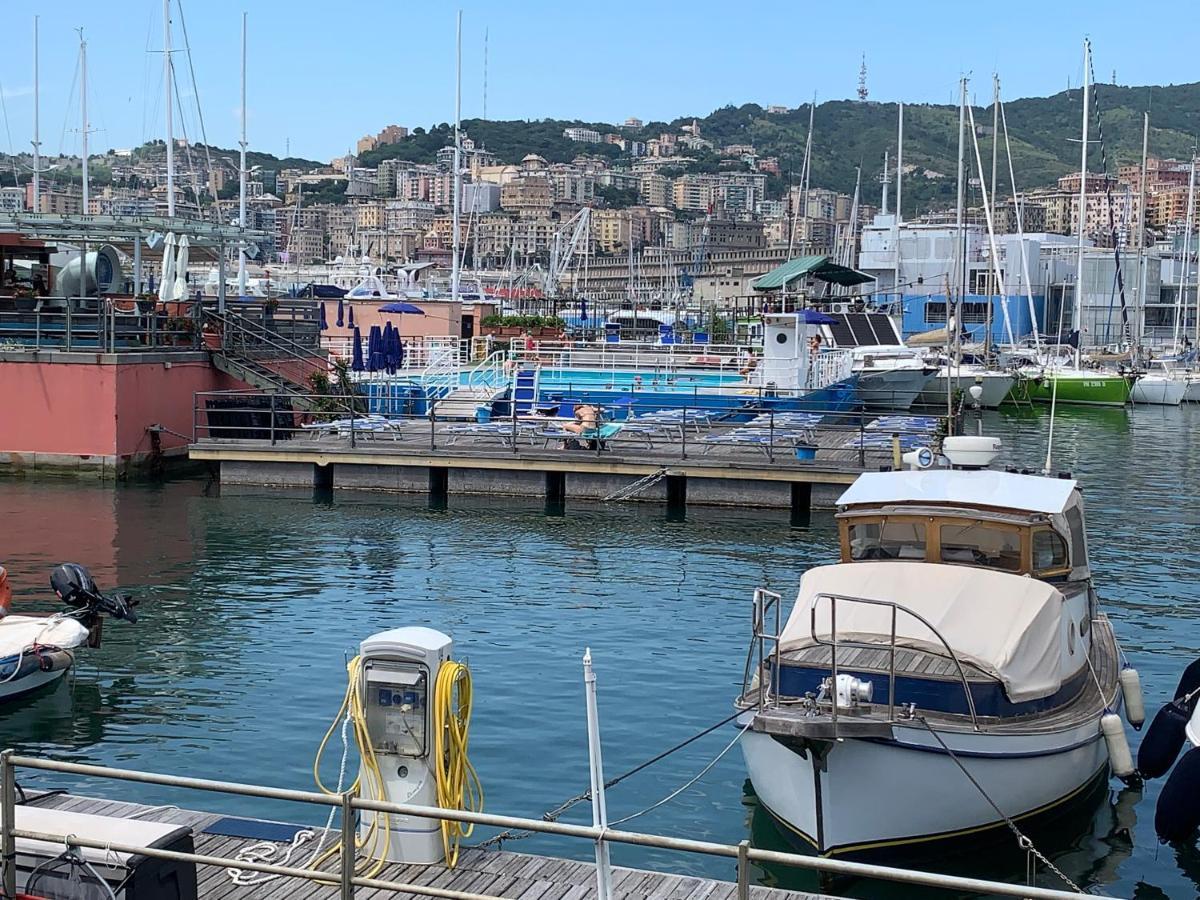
(8, 813)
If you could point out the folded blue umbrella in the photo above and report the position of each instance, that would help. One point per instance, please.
(397, 352)
(324, 320)
(374, 356)
(356, 358)
(350, 317)
(341, 318)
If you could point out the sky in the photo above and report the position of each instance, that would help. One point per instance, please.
(321, 75)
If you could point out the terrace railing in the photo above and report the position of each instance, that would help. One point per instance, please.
(97, 325)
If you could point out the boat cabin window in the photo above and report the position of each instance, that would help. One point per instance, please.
(981, 544)
(1049, 551)
(887, 540)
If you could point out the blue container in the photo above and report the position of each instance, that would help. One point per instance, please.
(483, 414)
(806, 451)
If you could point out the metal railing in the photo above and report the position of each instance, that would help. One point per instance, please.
(98, 325)
(834, 643)
(347, 881)
(402, 416)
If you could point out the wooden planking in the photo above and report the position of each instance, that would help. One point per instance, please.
(496, 873)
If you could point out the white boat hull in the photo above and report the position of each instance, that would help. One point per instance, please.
(1192, 394)
(892, 389)
(36, 680)
(867, 796)
(1159, 390)
(996, 386)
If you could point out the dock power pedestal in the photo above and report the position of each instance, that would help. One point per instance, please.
(399, 672)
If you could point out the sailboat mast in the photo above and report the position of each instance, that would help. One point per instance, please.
(1083, 154)
(959, 221)
(1180, 308)
(995, 201)
(37, 142)
(167, 86)
(457, 200)
(1139, 300)
(899, 197)
(242, 175)
(83, 120)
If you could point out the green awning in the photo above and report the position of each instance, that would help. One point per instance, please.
(821, 267)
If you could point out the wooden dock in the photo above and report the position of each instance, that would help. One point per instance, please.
(495, 873)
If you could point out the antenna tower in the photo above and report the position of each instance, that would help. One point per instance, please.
(862, 79)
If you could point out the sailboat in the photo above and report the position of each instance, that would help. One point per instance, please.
(1059, 374)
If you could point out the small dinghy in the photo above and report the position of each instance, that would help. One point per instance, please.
(953, 673)
(36, 651)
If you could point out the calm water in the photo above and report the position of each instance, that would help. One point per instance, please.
(251, 603)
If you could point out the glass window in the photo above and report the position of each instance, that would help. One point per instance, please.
(980, 544)
(887, 540)
(1049, 550)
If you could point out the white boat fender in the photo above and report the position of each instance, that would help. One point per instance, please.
(1164, 739)
(1177, 814)
(1131, 693)
(1118, 746)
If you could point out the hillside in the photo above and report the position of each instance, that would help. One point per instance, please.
(1043, 131)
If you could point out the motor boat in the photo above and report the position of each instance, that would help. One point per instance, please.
(890, 377)
(36, 651)
(996, 384)
(954, 662)
(1159, 388)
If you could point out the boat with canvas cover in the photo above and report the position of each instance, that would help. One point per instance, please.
(36, 651)
(955, 658)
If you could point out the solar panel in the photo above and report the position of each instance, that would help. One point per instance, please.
(863, 330)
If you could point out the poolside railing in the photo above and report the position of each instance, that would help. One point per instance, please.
(754, 430)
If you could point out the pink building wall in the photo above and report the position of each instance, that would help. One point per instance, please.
(100, 409)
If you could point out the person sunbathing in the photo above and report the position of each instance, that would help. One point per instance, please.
(587, 417)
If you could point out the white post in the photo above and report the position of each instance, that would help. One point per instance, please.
(242, 176)
(169, 88)
(84, 125)
(37, 143)
(455, 269)
(1181, 294)
(1083, 155)
(599, 810)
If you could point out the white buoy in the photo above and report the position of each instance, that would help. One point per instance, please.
(1118, 746)
(1135, 704)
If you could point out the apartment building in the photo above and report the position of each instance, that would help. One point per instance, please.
(582, 135)
(410, 215)
(531, 197)
(655, 189)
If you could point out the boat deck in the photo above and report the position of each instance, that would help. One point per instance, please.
(1098, 692)
(491, 873)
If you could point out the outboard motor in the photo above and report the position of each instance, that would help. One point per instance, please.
(75, 586)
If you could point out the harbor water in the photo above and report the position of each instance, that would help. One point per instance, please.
(252, 602)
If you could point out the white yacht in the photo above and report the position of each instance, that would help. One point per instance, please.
(956, 657)
(996, 384)
(890, 376)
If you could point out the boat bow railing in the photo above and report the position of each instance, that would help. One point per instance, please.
(834, 644)
(756, 654)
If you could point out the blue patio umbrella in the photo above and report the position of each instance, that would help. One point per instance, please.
(399, 307)
(341, 318)
(350, 316)
(583, 310)
(386, 348)
(400, 356)
(356, 358)
(324, 319)
(397, 350)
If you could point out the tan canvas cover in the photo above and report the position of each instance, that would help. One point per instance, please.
(1009, 626)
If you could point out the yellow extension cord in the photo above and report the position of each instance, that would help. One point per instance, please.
(458, 785)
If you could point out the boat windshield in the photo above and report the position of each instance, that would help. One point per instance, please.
(887, 540)
(979, 544)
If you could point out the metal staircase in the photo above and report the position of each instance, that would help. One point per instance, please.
(245, 348)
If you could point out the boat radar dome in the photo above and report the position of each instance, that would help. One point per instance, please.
(969, 452)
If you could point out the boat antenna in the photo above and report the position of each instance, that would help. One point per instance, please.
(37, 141)
(1050, 437)
(1083, 153)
